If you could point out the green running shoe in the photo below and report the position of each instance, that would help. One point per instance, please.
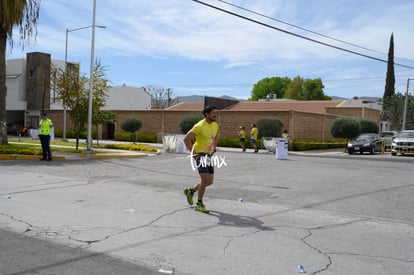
(189, 192)
(201, 207)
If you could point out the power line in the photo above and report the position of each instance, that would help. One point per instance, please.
(314, 32)
(300, 36)
(301, 28)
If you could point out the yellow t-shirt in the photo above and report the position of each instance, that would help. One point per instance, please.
(242, 134)
(205, 134)
(254, 132)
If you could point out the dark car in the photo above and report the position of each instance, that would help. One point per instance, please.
(14, 129)
(367, 142)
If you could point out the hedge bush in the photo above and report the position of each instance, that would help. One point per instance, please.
(142, 137)
(303, 145)
(187, 122)
(368, 126)
(269, 127)
(345, 127)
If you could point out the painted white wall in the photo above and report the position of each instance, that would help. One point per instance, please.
(127, 98)
(16, 84)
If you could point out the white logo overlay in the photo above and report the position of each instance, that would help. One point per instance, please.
(207, 160)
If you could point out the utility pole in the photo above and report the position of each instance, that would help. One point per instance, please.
(168, 97)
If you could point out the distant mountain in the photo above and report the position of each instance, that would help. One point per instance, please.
(367, 98)
(190, 98)
(199, 98)
(338, 98)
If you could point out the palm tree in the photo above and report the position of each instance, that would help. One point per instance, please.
(23, 13)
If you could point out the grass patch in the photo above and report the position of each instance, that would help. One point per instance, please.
(33, 147)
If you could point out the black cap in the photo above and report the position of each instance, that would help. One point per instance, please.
(44, 114)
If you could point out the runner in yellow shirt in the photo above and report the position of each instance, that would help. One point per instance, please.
(242, 137)
(205, 134)
(253, 135)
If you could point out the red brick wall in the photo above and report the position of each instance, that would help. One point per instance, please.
(300, 125)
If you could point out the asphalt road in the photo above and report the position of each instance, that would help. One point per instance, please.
(330, 212)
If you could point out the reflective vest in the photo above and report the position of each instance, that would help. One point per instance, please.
(45, 126)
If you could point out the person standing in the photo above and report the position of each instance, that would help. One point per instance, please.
(205, 134)
(242, 137)
(45, 128)
(285, 134)
(253, 135)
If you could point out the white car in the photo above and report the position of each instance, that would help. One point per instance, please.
(403, 143)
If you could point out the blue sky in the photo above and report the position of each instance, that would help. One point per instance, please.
(198, 50)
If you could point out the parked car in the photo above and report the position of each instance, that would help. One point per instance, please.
(366, 142)
(14, 129)
(388, 136)
(403, 143)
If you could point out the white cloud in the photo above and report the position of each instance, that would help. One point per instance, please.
(209, 42)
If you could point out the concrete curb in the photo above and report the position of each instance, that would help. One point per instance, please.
(26, 157)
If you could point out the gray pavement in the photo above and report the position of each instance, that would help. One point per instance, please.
(331, 212)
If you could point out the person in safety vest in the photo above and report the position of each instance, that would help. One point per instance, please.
(45, 128)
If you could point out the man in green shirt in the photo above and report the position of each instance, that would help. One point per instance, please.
(205, 134)
(45, 128)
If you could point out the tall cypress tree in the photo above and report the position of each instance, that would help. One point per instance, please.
(390, 80)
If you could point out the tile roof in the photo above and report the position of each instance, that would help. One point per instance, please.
(187, 106)
(313, 106)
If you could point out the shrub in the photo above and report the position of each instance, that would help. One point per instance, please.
(229, 142)
(303, 145)
(123, 136)
(368, 126)
(345, 127)
(269, 127)
(187, 122)
(151, 138)
(131, 125)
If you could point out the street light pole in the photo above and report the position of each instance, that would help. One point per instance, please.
(66, 70)
(405, 104)
(66, 84)
(89, 139)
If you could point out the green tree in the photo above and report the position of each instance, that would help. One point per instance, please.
(131, 125)
(345, 127)
(266, 86)
(74, 92)
(393, 111)
(188, 122)
(306, 89)
(24, 14)
(269, 127)
(390, 79)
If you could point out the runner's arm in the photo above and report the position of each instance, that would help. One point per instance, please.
(188, 140)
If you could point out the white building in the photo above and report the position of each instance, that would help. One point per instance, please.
(127, 98)
(28, 91)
